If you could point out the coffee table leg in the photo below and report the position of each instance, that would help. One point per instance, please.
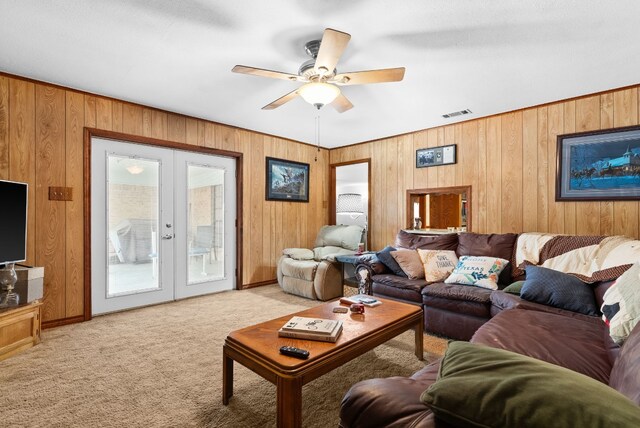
(227, 377)
(289, 402)
(419, 338)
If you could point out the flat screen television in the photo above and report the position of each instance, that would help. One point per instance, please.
(13, 221)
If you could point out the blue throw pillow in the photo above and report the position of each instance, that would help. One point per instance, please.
(553, 288)
(385, 257)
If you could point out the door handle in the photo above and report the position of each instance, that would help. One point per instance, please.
(167, 236)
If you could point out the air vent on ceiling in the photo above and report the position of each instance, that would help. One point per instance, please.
(456, 113)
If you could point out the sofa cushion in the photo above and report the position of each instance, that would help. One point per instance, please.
(489, 244)
(387, 259)
(479, 271)
(437, 264)
(621, 307)
(480, 386)
(301, 269)
(557, 289)
(401, 283)
(625, 375)
(458, 292)
(414, 241)
(410, 263)
(572, 342)
(514, 288)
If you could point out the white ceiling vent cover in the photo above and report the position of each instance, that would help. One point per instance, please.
(457, 113)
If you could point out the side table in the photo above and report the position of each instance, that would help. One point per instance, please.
(349, 278)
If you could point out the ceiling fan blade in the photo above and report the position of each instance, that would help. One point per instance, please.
(369, 76)
(243, 69)
(277, 103)
(331, 47)
(342, 104)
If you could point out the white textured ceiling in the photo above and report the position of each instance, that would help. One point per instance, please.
(488, 56)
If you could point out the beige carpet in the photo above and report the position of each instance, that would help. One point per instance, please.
(161, 366)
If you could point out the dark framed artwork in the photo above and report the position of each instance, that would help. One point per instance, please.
(599, 165)
(287, 180)
(435, 156)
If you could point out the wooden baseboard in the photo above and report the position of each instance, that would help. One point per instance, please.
(259, 284)
(63, 321)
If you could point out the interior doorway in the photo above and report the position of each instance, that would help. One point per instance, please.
(350, 190)
(163, 224)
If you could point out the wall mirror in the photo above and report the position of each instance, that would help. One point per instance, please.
(439, 209)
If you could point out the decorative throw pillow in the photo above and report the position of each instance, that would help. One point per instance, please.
(514, 288)
(387, 259)
(410, 262)
(438, 265)
(479, 386)
(479, 271)
(621, 307)
(560, 290)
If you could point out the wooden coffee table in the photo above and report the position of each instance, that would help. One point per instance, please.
(257, 348)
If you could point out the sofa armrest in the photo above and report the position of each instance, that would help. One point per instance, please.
(373, 264)
(298, 253)
(390, 402)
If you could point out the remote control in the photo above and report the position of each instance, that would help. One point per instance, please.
(294, 352)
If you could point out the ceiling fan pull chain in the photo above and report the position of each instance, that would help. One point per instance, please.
(317, 136)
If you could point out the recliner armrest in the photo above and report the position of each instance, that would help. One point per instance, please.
(298, 253)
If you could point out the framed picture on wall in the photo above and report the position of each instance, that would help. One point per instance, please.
(287, 180)
(435, 156)
(599, 165)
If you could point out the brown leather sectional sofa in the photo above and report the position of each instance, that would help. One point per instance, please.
(495, 319)
(578, 342)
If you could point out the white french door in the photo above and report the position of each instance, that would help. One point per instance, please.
(162, 224)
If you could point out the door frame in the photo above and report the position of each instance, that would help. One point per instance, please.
(332, 192)
(89, 133)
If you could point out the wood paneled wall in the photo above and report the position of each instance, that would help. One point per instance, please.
(41, 138)
(510, 162)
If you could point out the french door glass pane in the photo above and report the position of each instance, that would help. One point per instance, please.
(132, 219)
(205, 223)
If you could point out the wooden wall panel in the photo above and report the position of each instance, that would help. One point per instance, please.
(510, 162)
(4, 127)
(50, 217)
(22, 148)
(74, 209)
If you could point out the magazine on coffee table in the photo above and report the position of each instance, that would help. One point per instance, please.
(365, 299)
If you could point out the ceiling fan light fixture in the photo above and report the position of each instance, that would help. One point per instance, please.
(319, 93)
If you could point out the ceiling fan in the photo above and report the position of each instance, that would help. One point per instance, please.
(320, 75)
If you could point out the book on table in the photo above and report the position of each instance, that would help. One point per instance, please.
(365, 299)
(312, 329)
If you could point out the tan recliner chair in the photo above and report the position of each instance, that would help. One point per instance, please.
(315, 274)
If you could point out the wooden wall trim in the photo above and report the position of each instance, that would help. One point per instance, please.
(260, 283)
(89, 134)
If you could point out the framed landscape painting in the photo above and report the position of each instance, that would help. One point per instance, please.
(287, 180)
(434, 156)
(599, 165)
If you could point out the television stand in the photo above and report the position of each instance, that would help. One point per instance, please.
(19, 328)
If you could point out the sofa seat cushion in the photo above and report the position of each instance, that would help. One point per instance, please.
(570, 342)
(400, 282)
(625, 375)
(458, 292)
(301, 269)
(398, 288)
(480, 386)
